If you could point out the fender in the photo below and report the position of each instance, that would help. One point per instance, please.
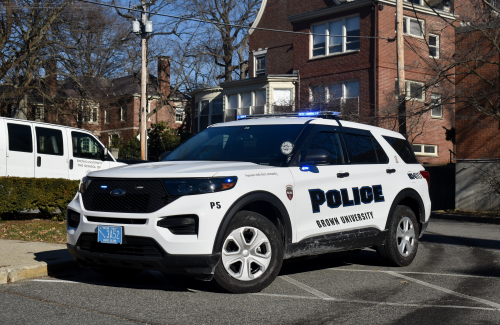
(244, 200)
(408, 193)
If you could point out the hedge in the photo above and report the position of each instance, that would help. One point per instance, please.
(46, 194)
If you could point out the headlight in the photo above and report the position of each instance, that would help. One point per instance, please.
(190, 186)
(84, 184)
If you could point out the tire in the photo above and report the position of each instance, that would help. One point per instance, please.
(252, 254)
(115, 272)
(401, 243)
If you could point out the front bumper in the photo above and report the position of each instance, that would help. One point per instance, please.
(164, 262)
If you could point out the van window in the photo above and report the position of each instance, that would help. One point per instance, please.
(20, 137)
(86, 146)
(365, 149)
(49, 141)
(403, 148)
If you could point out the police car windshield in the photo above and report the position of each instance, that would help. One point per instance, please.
(260, 144)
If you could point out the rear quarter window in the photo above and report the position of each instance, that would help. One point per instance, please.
(403, 148)
(364, 149)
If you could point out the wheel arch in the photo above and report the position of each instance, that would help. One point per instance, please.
(261, 202)
(411, 199)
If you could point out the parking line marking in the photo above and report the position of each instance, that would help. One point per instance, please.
(306, 287)
(375, 302)
(480, 300)
(424, 273)
(62, 281)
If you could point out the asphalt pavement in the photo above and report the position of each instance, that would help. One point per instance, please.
(455, 278)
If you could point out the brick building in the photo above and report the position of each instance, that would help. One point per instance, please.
(358, 75)
(109, 107)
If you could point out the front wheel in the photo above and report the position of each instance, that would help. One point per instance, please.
(401, 243)
(252, 254)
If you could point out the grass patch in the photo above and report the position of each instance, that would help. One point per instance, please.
(49, 231)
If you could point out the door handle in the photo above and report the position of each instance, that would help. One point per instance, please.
(390, 170)
(71, 164)
(39, 161)
(342, 175)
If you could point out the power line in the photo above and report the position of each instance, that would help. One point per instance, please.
(224, 24)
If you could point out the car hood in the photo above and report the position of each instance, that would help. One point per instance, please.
(177, 169)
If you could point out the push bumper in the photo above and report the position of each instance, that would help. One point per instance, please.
(198, 265)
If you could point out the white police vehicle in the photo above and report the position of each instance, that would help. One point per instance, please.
(238, 198)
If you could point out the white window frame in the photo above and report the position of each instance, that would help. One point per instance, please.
(180, 111)
(123, 117)
(91, 108)
(260, 72)
(327, 37)
(422, 148)
(440, 106)
(106, 116)
(39, 113)
(406, 20)
(327, 91)
(408, 92)
(437, 46)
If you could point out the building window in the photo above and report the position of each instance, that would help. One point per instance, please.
(260, 97)
(434, 46)
(413, 26)
(217, 112)
(425, 149)
(342, 96)
(414, 90)
(232, 101)
(179, 114)
(415, 2)
(106, 116)
(123, 113)
(436, 107)
(39, 113)
(88, 114)
(335, 37)
(204, 113)
(260, 65)
(246, 100)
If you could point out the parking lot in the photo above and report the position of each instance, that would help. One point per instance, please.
(454, 279)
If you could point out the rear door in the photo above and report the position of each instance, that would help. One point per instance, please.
(86, 154)
(373, 175)
(20, 149)
(51, 152)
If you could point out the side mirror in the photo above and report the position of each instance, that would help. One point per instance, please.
(317, 157)
(105, 154)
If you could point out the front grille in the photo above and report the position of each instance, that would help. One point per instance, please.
(132, 246)
(141, 196)
(123, 221)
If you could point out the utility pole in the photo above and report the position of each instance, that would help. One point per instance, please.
(401, 68)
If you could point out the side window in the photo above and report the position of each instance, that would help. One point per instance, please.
(361, 148)
(49, 141)
(20, 138)
(403, 148)
(381, 155)
(330, 142)
(85, 146)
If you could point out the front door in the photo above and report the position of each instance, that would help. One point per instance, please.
(20, 154)
(323, 195)
(86, 155)
(51, 153)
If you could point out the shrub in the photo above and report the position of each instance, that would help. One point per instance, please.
(45, 194)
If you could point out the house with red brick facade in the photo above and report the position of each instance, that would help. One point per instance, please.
(341, 55)
(109, 107)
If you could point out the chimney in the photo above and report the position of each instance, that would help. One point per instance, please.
(51, 77)
(164, 75)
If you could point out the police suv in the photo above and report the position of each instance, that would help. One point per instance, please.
(236, 199)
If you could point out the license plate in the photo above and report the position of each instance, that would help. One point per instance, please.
(109, 234)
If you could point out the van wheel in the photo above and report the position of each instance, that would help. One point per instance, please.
(401, 243)
(252, 254)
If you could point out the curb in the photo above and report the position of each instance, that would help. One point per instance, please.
(466, 218)
(10, 275)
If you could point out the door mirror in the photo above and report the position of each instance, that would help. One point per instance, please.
(317, 157)
(105, 154)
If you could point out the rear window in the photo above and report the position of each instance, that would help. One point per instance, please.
(403, 148)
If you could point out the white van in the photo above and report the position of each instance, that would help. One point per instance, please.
(37, 149)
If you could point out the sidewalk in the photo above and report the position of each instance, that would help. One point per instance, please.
(21, 260)
(491, 219)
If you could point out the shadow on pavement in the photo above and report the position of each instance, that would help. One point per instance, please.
(461, 241)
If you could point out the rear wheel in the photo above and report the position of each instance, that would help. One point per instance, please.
(252, 254)
(401, 243)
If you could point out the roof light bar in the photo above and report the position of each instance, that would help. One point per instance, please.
(324, 114)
